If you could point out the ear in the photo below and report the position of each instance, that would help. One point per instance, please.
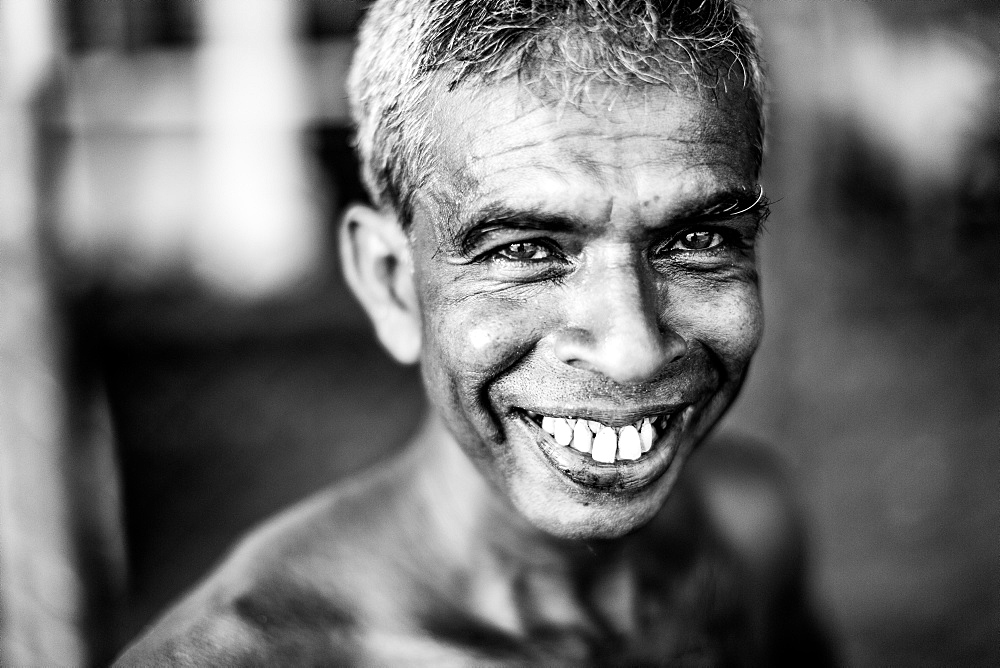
(375, 254)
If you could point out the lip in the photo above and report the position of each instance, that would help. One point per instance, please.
(622, 475)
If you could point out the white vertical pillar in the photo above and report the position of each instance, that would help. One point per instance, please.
(258, 230)
(40, 591)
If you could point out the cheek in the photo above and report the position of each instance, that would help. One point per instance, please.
(729, 322)
(476, 338)
(468, 344)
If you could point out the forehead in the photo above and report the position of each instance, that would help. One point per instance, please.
(651, 148)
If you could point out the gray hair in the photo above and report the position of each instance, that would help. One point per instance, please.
(409, 49)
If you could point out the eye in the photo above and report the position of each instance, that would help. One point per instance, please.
(698, 240)
(523, 251)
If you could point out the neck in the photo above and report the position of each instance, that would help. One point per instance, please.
(475, 550)
(485, 557)
(470, 519)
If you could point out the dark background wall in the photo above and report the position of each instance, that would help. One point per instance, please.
(878, 377)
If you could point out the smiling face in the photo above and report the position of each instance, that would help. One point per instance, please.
(587, 291)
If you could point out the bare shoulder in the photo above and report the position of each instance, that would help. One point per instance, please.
(748, 500)
(747, 495)
(282, 597)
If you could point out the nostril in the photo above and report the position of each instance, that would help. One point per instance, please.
(571, 346)
(623, 355)
(676, 347)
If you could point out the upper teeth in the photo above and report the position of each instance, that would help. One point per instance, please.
(604, 442)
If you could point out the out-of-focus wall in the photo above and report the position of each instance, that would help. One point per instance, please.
(879, 376)
(162, 181)
(40, 581)
(185, 151)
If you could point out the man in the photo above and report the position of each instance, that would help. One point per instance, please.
(563, 238)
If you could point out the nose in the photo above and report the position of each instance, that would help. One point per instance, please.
(615, 327)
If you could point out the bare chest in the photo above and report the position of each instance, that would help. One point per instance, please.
(702, 620)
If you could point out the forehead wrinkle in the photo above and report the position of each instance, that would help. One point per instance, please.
(578, 166)
(478, 161)
(564, 174)
(567, 192)
(580, 179)
(544, 137)
(582, 160)
(490, 151)
(582, 176)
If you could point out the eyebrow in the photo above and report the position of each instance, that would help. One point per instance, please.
(497, 214)
(723, 204)
(719, 204)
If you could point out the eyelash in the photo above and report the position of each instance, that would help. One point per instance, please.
(715, 240)
(496, 254)
(721, 239)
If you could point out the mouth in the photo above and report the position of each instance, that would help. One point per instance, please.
(613, 455)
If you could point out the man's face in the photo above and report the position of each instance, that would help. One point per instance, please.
(579, 281)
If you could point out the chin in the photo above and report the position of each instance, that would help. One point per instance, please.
(589, 523)
(576, 507)
(559, 480)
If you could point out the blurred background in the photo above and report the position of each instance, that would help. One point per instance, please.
(179, 357)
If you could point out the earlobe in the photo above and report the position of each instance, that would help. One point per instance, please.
(378, 266)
